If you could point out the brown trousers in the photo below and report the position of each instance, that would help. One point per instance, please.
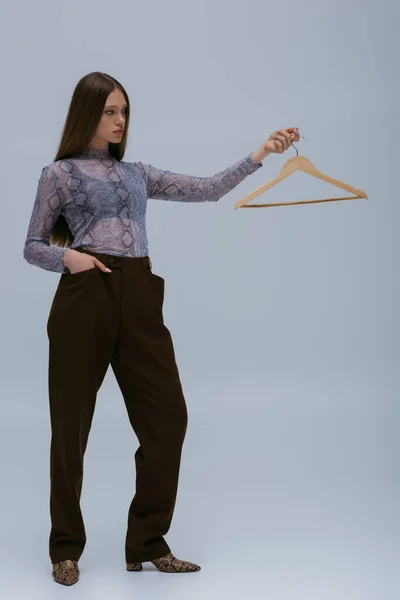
(97, 319)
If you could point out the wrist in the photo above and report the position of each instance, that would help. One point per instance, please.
(260, 154)
(66, 256)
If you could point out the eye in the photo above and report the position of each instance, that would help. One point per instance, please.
(111, 111)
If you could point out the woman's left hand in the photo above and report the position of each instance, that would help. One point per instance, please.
(279, 141)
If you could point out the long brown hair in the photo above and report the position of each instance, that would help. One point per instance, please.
(84, 114)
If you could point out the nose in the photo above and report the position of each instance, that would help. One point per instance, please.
(120, 122)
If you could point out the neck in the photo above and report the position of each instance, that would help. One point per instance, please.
(95, 152)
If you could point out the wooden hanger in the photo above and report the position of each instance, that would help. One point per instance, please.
(299, 163)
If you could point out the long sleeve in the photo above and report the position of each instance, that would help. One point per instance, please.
(166, 185)
(46, 209)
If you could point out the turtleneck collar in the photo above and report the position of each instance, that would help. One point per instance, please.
(95, 152)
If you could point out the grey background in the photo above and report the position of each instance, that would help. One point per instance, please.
(285, 320)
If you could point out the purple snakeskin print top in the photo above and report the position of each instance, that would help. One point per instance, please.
(104, 202)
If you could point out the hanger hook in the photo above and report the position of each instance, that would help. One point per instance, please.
(295, 146)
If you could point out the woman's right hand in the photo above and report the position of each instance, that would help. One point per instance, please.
(79, 261)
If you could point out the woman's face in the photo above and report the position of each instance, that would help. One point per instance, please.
(112, 119)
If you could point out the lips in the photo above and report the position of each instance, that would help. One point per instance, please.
(119, 131)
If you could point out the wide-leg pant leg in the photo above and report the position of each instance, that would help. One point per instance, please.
(81, 335)
(145, 368)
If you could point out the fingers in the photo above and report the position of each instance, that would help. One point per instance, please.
(278, 142)
(285, 137)
(101, 266)
(293, 132)
(283, 140)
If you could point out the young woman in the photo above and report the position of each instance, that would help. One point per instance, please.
(88, 223)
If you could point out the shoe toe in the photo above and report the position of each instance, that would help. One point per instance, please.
(66, 572)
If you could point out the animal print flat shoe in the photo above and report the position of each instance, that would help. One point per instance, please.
(167, 564)
(66, 572)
